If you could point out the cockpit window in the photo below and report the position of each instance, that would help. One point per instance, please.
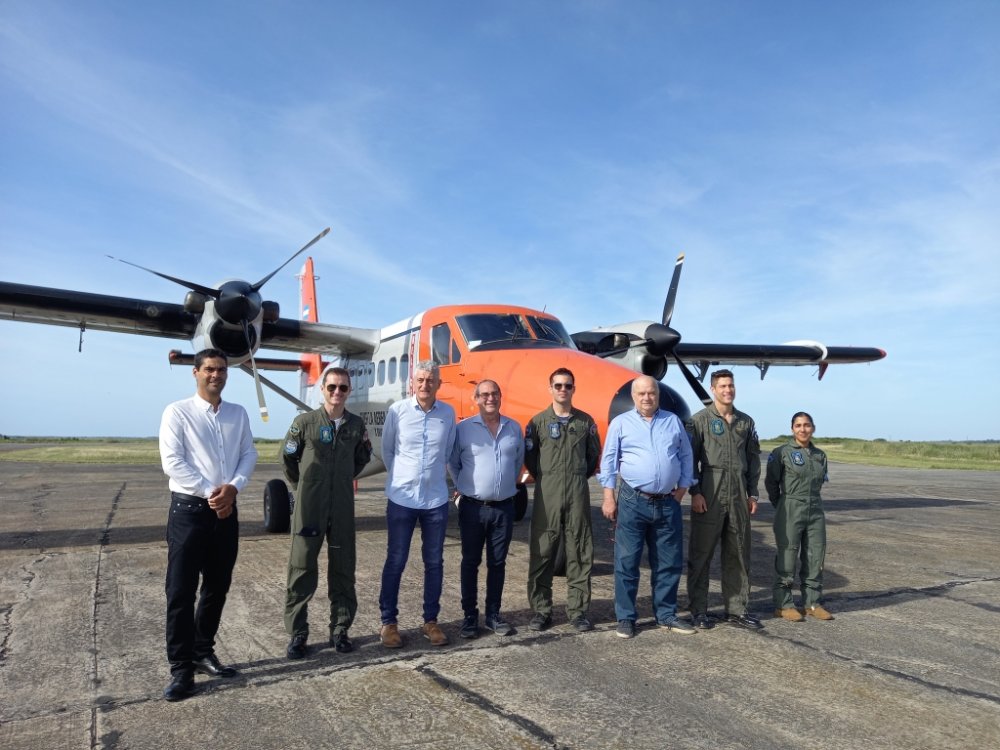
(511, 330)
(550, 330)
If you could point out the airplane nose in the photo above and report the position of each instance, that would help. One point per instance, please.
(669, 401)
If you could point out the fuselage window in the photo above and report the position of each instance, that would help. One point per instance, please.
(392, 370)
(381, 372)
(371, 374)
(404, 367)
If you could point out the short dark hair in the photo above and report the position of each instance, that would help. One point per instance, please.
(562, 371)
(200, 357)
(805, 414)
(719, 374)
(336, 371)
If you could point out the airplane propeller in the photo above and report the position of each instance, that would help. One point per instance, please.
(238, 303)
(661, 340)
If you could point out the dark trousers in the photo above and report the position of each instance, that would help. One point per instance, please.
(491, 526)
(199, 544)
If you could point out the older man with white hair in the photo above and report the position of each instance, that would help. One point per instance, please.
(417, 440)
(648, 455)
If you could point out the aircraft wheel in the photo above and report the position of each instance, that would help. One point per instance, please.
(559, 563)
(277, 507)
(520, 502)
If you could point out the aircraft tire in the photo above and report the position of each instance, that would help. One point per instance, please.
(559, 563)
(277, 507)
(520, 502)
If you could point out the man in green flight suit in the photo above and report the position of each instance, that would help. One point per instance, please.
(561, 451)
(723, 497)
(324, 450)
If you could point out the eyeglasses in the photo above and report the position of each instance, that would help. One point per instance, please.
(487, 395)
(563, 386)
(334, 387)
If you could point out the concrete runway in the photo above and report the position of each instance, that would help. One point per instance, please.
(911, 661)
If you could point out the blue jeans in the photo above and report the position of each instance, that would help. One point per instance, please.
(656, 523)
(491, 526)
(400, 522)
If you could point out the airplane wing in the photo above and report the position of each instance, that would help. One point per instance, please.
(793, 353)
(101, 312)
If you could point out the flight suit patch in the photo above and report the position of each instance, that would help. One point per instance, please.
(593, 428)
(717, 427)
(797, 458)
(293, 430)
(555, 430)
(291, 447)
(326, 434)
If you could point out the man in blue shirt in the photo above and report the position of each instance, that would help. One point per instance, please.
(488, 455)
(417, 440)
(648, 450)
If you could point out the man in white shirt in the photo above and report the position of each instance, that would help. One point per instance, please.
(207, 452)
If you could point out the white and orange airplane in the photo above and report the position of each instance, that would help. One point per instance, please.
(516, 346)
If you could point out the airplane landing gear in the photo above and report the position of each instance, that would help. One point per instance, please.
(277, 507)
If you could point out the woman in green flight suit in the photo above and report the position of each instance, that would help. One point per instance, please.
(795, 473)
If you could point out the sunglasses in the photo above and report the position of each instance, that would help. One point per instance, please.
(563, 386)
(333, 387)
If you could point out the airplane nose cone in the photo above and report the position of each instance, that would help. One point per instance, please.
(669, 401)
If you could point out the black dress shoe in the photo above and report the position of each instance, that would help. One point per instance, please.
(342, 643)
(297, 646)
(745, 620)
(211, 665)
(181, 686)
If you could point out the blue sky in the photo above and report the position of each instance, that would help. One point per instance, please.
(830, 170)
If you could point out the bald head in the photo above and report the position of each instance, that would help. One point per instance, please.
(646, 395)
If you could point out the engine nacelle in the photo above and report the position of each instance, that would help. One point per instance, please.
(629, 345)
(215, 333)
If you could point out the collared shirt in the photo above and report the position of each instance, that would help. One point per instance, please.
(653, 456)
(416, 446)
(485, 467)
(202, 449)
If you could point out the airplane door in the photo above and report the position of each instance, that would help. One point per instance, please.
(446, 353)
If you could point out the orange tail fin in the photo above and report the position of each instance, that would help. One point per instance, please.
(312, 364)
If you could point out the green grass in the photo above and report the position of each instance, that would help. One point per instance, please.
(129, 451)
(981, 456)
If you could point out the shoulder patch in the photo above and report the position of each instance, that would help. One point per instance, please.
(291, 447)
(593, 428)
(771, 457)
(294, 430)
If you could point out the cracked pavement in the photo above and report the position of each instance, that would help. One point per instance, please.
(911, 660)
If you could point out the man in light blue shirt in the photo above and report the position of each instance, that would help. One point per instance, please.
(647, 449)
(488, 456)
(417, 439)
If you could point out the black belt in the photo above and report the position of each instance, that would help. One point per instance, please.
(189, 498)
(650, 495)
(487, 502)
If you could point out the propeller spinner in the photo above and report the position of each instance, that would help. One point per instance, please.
(240, 305)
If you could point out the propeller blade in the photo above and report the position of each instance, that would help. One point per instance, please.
(668, 306)
(208, 291)
(256, 376)
(313, 241)
(696, 386)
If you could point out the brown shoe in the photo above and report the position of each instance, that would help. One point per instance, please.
(818, 612)
(789, 613)
(434, 634)
(390, 636)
